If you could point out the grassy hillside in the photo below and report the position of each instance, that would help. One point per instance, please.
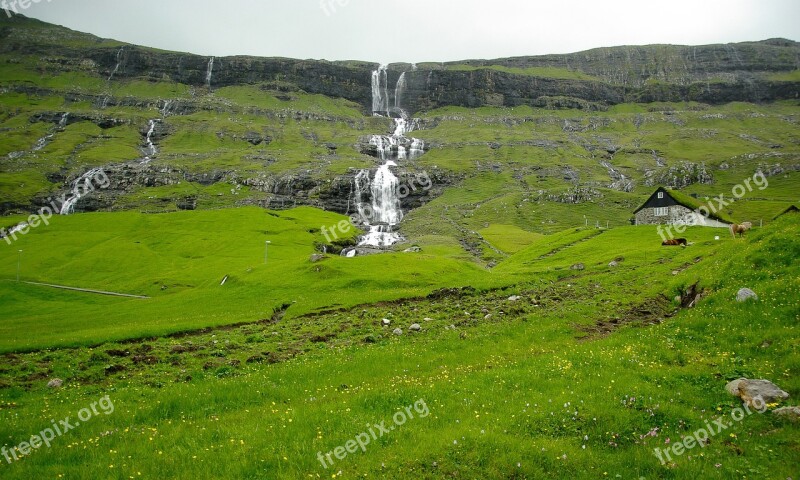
(585, 374)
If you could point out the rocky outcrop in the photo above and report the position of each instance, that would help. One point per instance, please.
(679, 176)
(284, 190)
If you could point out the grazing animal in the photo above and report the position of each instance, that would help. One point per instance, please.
(675, 242)
(740, 229)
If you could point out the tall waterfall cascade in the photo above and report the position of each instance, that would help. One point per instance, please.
(377, 194)
(150, 147)
(209, 72)
(119, 62)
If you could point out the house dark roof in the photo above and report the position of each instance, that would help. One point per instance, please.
(692, 204)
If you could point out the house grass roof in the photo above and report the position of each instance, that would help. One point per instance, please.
(694, 205)
(790, 208)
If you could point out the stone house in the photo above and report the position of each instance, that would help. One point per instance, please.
(668, 207)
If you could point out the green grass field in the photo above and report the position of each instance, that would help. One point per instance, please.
(585, 375)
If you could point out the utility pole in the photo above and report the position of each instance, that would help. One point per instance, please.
(266, 245)
(19, 263)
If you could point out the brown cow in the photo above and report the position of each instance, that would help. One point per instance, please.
(740, 229)
(675, 242)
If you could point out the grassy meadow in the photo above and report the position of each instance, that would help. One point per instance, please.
(584, 374)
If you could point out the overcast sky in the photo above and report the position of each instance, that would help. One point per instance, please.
(419, 30)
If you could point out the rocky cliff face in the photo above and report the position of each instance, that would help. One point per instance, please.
(710, 74)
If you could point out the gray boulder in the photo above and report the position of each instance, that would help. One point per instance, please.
(415, 327)
(791, 413)
(746, 294)
(578, 266)
(398, 331)
(756, 393)
(317, 257)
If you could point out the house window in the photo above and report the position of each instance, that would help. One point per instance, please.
(661, 211)
(660, 195)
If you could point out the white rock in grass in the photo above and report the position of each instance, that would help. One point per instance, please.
(55, 383)
(397, 331)
(415, 327)
(386, 322)
(746, 294)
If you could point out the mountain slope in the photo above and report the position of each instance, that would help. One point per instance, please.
(178, 131)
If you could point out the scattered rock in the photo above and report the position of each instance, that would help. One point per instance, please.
(414, 249)
(317, 257)
(578, 266)
(427, 319)
(386, 322)
(415, 327)
(756, 393)
(488, 316)
(746, 294)
(613, 264)
(55, 383)
(397, 331)
(791, 413)
(514, 298)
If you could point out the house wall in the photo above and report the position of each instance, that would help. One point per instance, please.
(677, 215)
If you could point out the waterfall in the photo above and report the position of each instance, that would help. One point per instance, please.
(64, 119)
(209, 72)
(399, 89)
(119, 61)
(165, 108)
(151, 148)
(81, 186)
(42, 142)
(385, 201)
(383, 212)
(378, 198)
(380, 95)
